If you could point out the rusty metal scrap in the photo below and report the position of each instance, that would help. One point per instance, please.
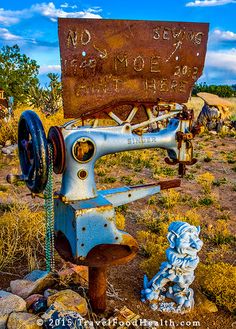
(114, 62)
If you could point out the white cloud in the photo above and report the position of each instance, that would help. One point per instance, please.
(49, 68)
(49, 10)
(222, 60)
(94, 10)
(11, 17)
(218, 35)
(209, 3)
(66, 5)
(5, 34)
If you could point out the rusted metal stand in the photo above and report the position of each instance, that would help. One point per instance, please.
(97, 288)
(98, 260)
(182, 169)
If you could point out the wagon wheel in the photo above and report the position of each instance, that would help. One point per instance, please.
(154, 113)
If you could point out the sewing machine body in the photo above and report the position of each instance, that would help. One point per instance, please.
(85, 215)
(109, 140)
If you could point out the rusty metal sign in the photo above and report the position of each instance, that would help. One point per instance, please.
(106, 63)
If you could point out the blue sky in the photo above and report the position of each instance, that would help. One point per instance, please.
(33, 26)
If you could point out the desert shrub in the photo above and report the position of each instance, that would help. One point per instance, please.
(123, 208)
(135, 160)
(151, 265)
(153, 242)
(208, 156)
(127, 180)
(220, 181)
(153, 247)
(108, 180)
(225, 215)
(21, 235)
(164, 171)
(149, 219)
(100, 172)
(219, 253)
(192, 217)
(219, 281)
(206, 180)
(154, 222)
(9, 130)
(195, 103)
(3, 188)
(189, 176)
(206, 201)
(120, 220)
(219, 232)
(169, 198)
(231, 157)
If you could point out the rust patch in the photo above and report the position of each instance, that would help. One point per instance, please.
(100, 255)
(104, 63)
(109, 255)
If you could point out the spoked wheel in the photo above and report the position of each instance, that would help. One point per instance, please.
(154, 113)
(33, 151)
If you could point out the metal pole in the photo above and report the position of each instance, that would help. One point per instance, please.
(97, 288)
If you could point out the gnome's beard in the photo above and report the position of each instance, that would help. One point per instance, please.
(187, 251)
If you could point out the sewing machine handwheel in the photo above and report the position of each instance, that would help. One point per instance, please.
(33, 151)
(55, 137)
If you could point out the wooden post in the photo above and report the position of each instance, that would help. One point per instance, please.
(97, 288)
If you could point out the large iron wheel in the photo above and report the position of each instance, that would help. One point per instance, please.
(33, 151)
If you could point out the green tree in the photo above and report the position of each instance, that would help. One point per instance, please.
(220, 90)
(48, 99)
(18, 73)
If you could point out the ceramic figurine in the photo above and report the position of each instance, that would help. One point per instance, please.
(176, 274)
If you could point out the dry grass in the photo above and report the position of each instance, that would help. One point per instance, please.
(196, 103)
(233, 111)
(21, 235)
(218, 281)
(8, 130)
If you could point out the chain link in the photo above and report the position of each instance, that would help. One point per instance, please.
(49, 209)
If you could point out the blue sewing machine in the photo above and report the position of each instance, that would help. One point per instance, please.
(104, 75)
